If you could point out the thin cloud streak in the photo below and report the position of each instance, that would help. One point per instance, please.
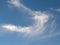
(11, 27)
(55, 9)
(19, 5)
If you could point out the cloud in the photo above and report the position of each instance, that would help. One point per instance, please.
(12, 27)
(19, 5)
(55, 9)
(38, 28)
(39, 17)
(43, 23)
(40, 21)
(15, 3)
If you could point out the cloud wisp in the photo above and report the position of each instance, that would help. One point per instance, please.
(40, 26)
(16, 28)
(55, 9)
(18, 4)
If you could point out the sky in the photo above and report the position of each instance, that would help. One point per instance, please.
(29, 22)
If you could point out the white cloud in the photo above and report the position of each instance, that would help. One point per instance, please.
(39, 17)
(15, 3)
(19, 5)
(40, 21)
(11, 27)
(39, 27)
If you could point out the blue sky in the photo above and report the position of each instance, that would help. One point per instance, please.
(29, 22)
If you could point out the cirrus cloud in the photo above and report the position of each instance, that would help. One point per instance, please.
(41, 26)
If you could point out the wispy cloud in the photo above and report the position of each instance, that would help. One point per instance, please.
(19, 5)
(55, 9)
(12, 27)
(41, 24)
(15, 3)
(37, 27)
